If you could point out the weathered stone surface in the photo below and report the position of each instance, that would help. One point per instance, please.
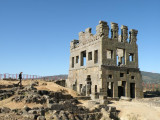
(103, 65)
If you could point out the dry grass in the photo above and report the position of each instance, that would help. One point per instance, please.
(57, 88)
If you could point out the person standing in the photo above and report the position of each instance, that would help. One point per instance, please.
(20, 79)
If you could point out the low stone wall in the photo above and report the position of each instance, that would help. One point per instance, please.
(61, 82)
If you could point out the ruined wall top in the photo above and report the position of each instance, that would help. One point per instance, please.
(102, 30)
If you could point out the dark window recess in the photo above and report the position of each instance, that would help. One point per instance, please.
(127, 71)
(110, 89)
(132, 77)
(121, 74)
(72, 62)
(80, 87)
(77, 59)
(90, 56)
(123, 60)
(96, 56)
(95, 88)
(110, 76)
(88, 76)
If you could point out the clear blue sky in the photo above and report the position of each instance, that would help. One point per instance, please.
(35, 35)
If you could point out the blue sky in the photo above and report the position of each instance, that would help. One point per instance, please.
(35, 35)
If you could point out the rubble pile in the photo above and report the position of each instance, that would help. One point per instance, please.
(55, 106)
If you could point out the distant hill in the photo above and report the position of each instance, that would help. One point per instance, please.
(147, 77)
(56, 77)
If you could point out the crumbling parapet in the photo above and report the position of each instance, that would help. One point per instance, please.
(133, 35)
(73, 43)
(114, 30)
(102, 31)
(124, 33)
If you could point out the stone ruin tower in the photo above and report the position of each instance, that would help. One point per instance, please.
(103, 66)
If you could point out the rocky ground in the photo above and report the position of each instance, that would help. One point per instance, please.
(41, 100)
(45, 100)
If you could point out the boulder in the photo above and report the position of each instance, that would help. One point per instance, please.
(30, 116)
(112, 109)
(105, 115)
(32, 112)
(5, 110)
(41, 118)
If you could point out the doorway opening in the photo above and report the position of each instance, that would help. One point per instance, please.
(122, 88)
(110, 89)
(132, 90)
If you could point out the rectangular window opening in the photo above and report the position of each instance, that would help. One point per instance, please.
(83, 58)
(109, 54)
(123, 60)
(132, 77)
(96, 56)
(72, 62)
(77, 59)
(121, 74)
(131, 56)
(90, 56)
(109, 76)
(120, 57)
(118, 63)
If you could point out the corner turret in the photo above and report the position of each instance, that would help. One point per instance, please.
(114, 30)
(133, 35)
(124, 33)
(102, 29)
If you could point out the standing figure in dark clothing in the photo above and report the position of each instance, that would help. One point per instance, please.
(20, 79)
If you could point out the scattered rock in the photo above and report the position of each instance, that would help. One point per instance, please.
(125, 98)
(44, 83)
(41, 118)
(59, 105)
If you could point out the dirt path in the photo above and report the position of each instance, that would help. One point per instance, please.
(136, 110)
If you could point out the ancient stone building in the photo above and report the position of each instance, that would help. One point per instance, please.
(103, 65)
